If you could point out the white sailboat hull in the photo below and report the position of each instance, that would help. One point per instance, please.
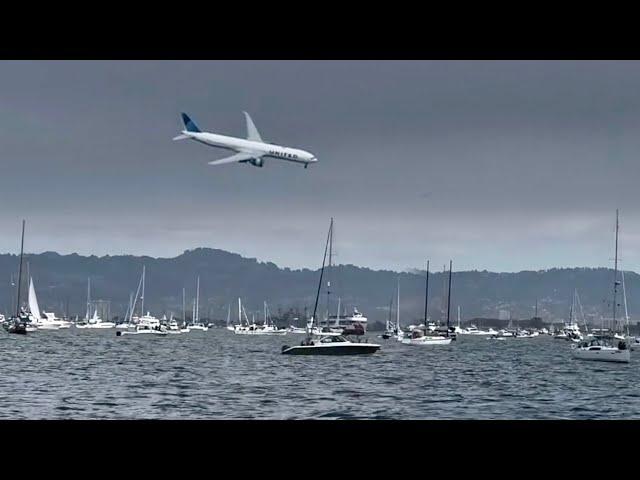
(198, 328)
(602, 354)
(101, 325)
(426, 341)
(260, 332)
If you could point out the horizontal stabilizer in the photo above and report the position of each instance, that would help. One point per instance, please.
(181, 137)
(238, 157)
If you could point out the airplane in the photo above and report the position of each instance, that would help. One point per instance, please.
(252, 150)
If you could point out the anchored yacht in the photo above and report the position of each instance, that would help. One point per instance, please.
(606, 347)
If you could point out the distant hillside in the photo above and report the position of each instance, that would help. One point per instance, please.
(61, 280)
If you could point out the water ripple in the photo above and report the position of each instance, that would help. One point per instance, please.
(82, 374)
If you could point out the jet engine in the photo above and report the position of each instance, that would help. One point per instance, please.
(257, 162)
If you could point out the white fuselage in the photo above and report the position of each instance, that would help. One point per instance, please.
(259, 149)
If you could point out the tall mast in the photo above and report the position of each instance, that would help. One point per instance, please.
(130, 309)
(449, 296)
(197, 300)
(329, 269)
(426, 296)
(184, 307)
(573, 301)
(615, 276)
(536, 308)
(142, 298)
(239, 311)
(13, 295)
(444, 288)
(458, 316)
(20, 271)
(324, 258)
(88, 298)
(398, 308)
(579, 304)
(624, 296)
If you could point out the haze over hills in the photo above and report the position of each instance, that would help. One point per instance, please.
(61, 283)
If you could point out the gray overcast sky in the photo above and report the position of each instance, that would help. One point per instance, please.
(499, 165)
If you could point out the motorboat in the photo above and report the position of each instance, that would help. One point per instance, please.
(293, 329)
(18, 324)
(330, 345)
(95, 322)
(473, 330)
(354, 324)
(143, 329)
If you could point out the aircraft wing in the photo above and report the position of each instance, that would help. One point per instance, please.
(238, 157)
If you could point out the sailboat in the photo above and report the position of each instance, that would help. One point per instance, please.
(43, 320)
(634, 342)
(269, 327)
(323, 344)
(229, 325)
(570, 330)
(94, 322)
(420, 337)
(197, 324)
(243, 328)
(34, 310)
(389, 330)
(143, 324)
(606, 347)
(18, 323)
(126, 324)
(398, 332)
(458, 329)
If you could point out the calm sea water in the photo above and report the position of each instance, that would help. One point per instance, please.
(218, 375)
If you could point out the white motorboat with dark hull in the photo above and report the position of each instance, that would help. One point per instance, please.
(17, 324)
(331, 345)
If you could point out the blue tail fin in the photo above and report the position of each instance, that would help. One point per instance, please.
(189, 125)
